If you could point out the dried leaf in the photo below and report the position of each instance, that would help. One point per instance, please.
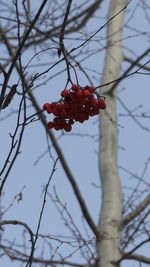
(20, 197)
(59, 52)
(9, 97)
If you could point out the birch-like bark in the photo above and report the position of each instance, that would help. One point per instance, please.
(111, 210)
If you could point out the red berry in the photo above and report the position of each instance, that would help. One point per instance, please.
(53, 104)
(52, 107)
(96, 111)
(67, 127)
(49, 110)
(91, 89)
(63, 113)
(101, 103)
(75, 87)
(57, 127)
(50, 125)
(74, 108)
(91, 112)
(64, 93)
(60, 106)
(79, 93)
(46, 106)
(56, 112)
(71, 121)
(86, 116)
(56, 120)
(86, 93)
(93, 102)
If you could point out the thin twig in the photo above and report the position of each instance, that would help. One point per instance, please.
(30, 260)
(61, 39)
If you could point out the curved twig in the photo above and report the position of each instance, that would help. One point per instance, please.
(16, 222)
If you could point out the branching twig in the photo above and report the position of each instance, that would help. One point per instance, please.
(62, 159)
(132, 116)
(134, 249)
(136, 211)
(24, 39)
(102, 27)
(140, 222)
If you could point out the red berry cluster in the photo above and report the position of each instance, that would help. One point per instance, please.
(77, 104)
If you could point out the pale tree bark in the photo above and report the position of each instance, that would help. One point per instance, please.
(111, 210)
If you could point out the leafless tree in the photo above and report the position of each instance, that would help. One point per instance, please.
(56, 44)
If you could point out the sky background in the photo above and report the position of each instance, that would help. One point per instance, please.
(32, 170)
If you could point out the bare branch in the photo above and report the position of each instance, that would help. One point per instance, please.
(137, 257)
(104, 25)
(126, 73)
(132, 61)
(16, 255)
(132, 116)
(61, 156)
(83, 17)
(24, 39)
(127, 254)
(136, 211)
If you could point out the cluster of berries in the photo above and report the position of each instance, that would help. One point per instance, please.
(76, 104)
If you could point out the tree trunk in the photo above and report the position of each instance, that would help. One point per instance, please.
(111, 210)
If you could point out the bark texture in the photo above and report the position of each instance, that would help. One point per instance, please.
(111, 210)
